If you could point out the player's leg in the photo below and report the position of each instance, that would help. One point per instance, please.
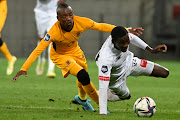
(81, 93)
(50, 73)
(11, 59)
(3, 47)
(52, 20)
(69, 66)
(41, 60)
(86, 85)
(41, 24)
(118, 93)
(143, 67)
(159, 71)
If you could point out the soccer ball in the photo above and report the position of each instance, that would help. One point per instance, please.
(144, 107)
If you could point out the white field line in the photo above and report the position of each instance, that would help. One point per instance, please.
(58, 108)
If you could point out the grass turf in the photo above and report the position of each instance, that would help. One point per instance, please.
(42, 98)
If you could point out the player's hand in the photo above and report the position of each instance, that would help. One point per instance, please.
(136, 30)
(160, 48)
(18, 74)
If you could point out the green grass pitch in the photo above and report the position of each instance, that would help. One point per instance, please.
(42, 98)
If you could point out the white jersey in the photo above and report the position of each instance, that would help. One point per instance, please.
(45, 15)
(46, 6)
(114, 67)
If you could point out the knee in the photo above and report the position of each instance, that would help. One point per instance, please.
(1, 42)
(83, 77)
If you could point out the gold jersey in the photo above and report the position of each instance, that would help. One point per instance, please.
(66, 42)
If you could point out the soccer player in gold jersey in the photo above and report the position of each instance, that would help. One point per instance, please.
(66, 53)
(3, 47)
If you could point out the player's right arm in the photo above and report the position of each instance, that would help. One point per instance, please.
(141, 44)
(34, 55)
(104, 79)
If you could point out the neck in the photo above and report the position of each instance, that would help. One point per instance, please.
(67, 28)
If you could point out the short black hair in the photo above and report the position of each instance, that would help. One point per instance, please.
(118, 32)
(62, 5)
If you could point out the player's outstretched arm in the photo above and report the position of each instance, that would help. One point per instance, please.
(18, 74)
(135, 30)
(159, 48)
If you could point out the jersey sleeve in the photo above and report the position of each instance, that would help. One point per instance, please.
(104, 79)
(135, 40)
(37, 51)
(103, 27)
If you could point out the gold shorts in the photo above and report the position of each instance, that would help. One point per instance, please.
(69, 63)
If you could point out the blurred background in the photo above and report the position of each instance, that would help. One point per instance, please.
(159, 18)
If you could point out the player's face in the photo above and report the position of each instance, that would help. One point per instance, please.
(66, 16)
(122, 43)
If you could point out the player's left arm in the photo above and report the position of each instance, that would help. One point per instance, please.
(104, 79)
(104, 27)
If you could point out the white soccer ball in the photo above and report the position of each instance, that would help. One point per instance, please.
(144, 107)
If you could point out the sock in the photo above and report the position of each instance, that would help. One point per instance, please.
(82, 93)
(6, 52)
(92, 92)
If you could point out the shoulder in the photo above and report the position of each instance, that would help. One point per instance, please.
(81, 18)
(84, 20)
(54, 30)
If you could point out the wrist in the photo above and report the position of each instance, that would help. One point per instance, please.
(149, 49)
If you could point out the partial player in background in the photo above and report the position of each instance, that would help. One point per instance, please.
(3, 47)
(66, 53)
(115, 63)
(45, 16)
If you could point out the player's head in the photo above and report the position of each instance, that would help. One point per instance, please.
(120, 38)
(65, 15)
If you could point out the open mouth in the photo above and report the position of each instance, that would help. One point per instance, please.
(69, 23)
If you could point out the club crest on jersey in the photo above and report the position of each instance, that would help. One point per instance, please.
(104, 69)
(47, 37)
(78, 34)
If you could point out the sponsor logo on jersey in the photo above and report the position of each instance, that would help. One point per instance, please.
(143, 63)
(104, 69)
(47, 37)
(103, 78)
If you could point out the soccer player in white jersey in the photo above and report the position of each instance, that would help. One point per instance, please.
(45, 16)
(115, 63)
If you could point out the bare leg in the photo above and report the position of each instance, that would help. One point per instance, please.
(160, 71)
